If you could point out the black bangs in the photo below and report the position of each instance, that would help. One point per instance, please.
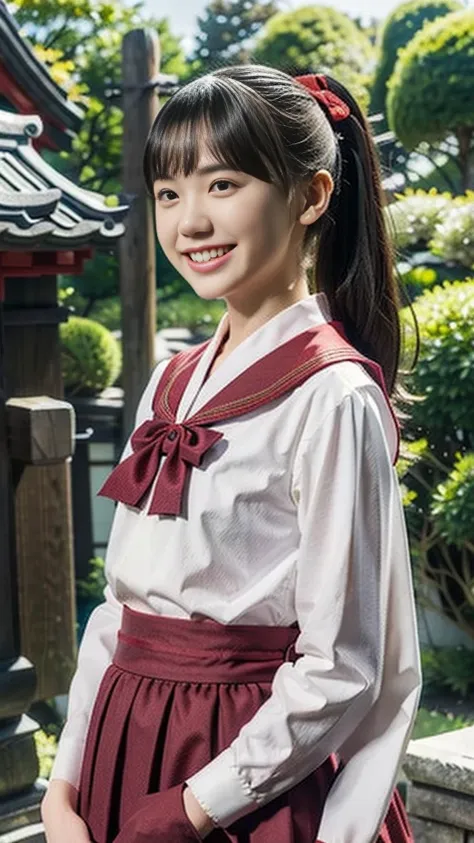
(211, 114)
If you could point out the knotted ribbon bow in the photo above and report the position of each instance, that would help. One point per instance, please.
(317, 85)
(184, 444)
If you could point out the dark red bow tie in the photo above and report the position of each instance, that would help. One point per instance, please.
(184, 444)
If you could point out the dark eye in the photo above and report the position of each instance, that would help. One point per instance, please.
(161, 194)
(223, 181)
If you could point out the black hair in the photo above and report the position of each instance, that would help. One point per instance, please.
(261, 121)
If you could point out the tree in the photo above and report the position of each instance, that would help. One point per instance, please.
(81, 42)
(226, 27)
(399, 28)
(319, 39)
(430, 91)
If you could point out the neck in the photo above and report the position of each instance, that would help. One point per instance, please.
(244, 320)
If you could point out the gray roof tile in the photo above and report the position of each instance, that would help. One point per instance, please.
(39, 207)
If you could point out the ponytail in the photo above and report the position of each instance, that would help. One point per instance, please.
(355, 258)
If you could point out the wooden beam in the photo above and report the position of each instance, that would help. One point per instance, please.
(41, 430)
(140, 64)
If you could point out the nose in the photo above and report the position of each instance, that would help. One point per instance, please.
(193, 220)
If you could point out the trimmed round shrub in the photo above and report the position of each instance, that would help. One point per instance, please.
(453, 238)
(318, 39)
(430, 90)
(444, 372)
(91, 357)
(453, 502)
(412, 218)
(399, 28)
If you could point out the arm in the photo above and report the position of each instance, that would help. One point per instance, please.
(353, 551)
(97, 646)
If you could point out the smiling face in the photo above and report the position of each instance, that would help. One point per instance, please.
(224, 207)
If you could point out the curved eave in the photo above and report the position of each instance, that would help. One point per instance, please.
(86, 203)
(45, 236)
(39, 207)
(33, 77)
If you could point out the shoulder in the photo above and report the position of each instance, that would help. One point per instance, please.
(346, 388)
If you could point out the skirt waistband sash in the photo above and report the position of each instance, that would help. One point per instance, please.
(181, 650)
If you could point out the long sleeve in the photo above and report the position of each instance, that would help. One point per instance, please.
(94, 656)
(355, 686)
(96, 649)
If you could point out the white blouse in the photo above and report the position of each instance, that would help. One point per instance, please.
(298, 519)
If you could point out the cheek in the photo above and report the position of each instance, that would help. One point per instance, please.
(164, 233)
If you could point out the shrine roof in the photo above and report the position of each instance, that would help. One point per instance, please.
(41, 208)
(32, 77)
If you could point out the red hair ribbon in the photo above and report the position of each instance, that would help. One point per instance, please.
(317, 86)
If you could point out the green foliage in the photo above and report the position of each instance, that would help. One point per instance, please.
(108, 312)
(189, 311)
(46, 748)
(224, 29)
(318, 39)
(92, 588)
(445, 316)
(449, 668)
(430, 91)
(453, 237)
(438, 482)
(91, 357)
(453, 505)
(399, 28)
(430, 723)
(98, 280)
(412, 218)
(417, 279)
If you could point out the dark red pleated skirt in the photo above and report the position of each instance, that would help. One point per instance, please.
(176, 694)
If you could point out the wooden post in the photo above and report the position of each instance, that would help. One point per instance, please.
(42, 487)
(140, 64)
(19, 796)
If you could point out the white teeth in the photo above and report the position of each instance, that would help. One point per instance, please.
(206, 255)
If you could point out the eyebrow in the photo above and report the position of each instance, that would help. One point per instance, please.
(209, 168)
(213, 168)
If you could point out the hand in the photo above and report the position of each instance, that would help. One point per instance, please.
(62, 823)
(196, 815)
(160, 818)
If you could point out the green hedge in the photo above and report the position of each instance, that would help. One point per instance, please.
(430, 90)
(399, 28)
(91, 357)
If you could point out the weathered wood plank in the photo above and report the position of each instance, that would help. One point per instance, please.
(41, 429)
(140, 64)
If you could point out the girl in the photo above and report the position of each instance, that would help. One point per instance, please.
(253, 673)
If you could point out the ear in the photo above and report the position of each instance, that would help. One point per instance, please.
(317, 198)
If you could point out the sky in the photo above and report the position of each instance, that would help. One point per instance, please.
(182, 14)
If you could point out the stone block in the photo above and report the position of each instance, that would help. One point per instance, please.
(426, 831)
(446, 760)
(441, 806)
(27, 834)
(23, 810)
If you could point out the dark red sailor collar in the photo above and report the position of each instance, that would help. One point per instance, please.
(184, 444)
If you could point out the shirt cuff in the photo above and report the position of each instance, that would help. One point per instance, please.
(220, 791)
(68, 761)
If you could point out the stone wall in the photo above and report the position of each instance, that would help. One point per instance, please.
(440, 793)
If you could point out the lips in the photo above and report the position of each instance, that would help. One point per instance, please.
(209, 265)
(205, 253)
